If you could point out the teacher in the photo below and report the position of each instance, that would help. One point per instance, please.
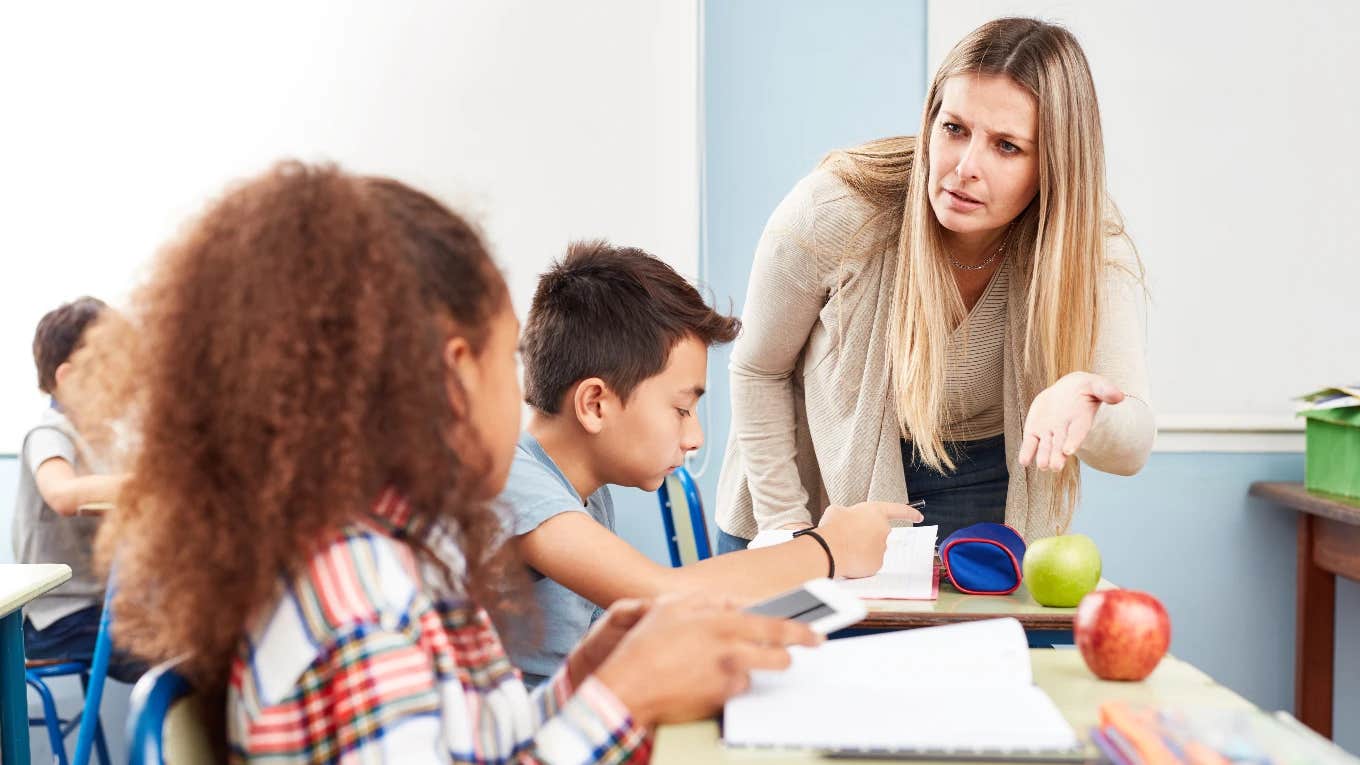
(955, 317)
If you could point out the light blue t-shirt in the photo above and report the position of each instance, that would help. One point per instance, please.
(536, 491)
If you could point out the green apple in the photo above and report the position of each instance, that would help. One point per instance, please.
(1060, 570)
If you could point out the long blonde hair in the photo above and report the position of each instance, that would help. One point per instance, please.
(1057, 243)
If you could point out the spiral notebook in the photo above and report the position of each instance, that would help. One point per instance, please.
(962, 691)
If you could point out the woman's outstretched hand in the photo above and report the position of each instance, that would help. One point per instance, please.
(1060, 419)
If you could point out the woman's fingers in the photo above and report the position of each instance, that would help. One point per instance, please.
(1028, 447)
(1060, 419)
(1041, 452)
(1057, 457)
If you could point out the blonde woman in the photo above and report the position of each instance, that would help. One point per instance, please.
(955, 316)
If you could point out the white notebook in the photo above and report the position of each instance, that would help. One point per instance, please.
(961, 688)
(908, 571)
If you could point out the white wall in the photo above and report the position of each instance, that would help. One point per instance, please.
(1230, 142)
(547, 121)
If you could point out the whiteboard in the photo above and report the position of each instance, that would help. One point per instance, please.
(545, 121)
(1231, 146)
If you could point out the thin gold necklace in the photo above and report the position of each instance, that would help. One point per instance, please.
(986, 262)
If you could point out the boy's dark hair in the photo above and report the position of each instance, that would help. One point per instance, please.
(58, 337)
(613, 313)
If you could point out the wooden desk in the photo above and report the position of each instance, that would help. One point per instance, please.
(954, 606)
(1328, 544)
(1060, 672)
(19, 585)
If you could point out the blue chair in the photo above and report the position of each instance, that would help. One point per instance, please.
(682, 512)
(92, 676)
(165, 723)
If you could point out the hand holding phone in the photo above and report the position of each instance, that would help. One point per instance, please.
(821, 604)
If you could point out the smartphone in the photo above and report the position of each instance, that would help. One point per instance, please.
(820, 603)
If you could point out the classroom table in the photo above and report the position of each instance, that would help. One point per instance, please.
(1328, 544)
(1044, 625)
(19, 585)
(1059, 672)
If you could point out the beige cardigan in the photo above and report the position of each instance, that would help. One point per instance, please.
(813, 420)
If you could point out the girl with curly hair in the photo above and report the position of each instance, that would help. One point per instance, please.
(322, 374)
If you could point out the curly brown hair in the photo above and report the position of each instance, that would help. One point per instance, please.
(283, 365)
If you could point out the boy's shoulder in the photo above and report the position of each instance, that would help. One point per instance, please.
(53, 437)
(52, 418)
(534, 475)
(537, 490)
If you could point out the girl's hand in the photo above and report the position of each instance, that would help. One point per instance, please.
(690, 654)
(603, 636)
(1061, 417)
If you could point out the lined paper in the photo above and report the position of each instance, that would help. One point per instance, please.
(908, 571)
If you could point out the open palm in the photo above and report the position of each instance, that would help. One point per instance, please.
(1061, 417)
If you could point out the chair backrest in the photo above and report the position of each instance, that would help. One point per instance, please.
(682, 513)
(165, 722)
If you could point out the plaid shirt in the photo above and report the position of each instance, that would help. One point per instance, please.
(364, 660)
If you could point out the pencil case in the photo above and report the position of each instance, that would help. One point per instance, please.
(983, 559)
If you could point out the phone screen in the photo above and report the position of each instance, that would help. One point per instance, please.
(799, 605)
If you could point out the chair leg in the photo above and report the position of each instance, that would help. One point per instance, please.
(94, 686)
(50, 720)
(101, 750)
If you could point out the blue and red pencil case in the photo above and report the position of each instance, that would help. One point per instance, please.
(983, 559)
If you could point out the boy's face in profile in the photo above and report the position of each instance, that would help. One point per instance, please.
(651, 434)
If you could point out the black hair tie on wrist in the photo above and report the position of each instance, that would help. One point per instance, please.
(830, 559)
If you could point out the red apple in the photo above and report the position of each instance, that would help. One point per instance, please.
(1122, 634)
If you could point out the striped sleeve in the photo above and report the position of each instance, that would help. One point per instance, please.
(551, 696)
(374, 697)
(371, 696)
(592, 727)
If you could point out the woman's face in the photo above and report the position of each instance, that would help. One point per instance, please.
(984, 159)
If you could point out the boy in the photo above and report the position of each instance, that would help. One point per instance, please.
(615, 352)
(58, 476)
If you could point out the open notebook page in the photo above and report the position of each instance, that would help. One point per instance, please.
(962, 686)
(908, 571)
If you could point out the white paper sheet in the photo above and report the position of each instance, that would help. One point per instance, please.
(908, 571)
(963, 686)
